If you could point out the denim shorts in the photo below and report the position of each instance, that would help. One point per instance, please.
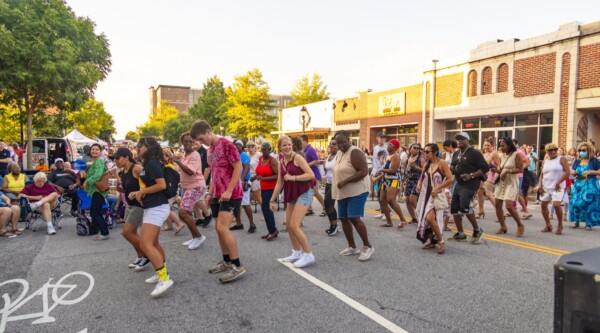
(352, 206)
(304, 199)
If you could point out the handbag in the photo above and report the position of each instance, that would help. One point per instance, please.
(497, 180)
(440, 202)
(102, 184)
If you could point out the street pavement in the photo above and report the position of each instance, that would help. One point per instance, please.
(504, 284)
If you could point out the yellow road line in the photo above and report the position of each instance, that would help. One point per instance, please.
(507, 241)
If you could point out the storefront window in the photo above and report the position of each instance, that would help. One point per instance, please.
(546, 119)
(470, 123)
(504, 121)
(527, 135)
(545, 137)
(408, 129)
(453, 124)
(527, 120)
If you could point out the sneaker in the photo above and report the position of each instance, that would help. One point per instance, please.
(334, 230)
(476, 236)
(349, 251)
(206, 221)
(296, 255)
(196, 242)
(188, 242)
(220, 267)
(233, 274)
(152, 279)
(237, 227)
(307, 259)
(135, 263)
(198, 221)
(379, 216)
(252, 229)
(51, 230)
(161, 287)
(142, 264)
(366, 253)
(458, 237)
(33, 206)
(74, 213)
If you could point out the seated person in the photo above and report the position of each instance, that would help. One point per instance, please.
(65, 181)
(43, 197)
(42, 166)
(11, 213)
(14, 182)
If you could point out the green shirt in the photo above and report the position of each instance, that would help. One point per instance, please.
(94, 173)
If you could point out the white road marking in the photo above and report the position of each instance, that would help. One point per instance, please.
(341, 296)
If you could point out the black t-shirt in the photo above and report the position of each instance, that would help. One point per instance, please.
(4, 153)
(468, 162)
(152, 170)
(130, 184)
(62, 178)
(204, 159)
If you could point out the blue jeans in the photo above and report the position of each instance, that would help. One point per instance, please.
(96, 213)
(266, 210)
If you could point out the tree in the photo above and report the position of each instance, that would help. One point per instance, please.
(10, 130)
(249, 102)
(175, 126)
(133, 136)
(306, 91)
(212, 105)
(92, 120)
(156, 124)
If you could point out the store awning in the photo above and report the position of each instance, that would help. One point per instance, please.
(394, 125)
(292, 132)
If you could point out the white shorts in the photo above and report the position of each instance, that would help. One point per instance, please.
(157, 215)
(551, 194)
(255, 186)
(246, 198)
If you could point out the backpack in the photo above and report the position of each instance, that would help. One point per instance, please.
(172, 179)
(84, 226)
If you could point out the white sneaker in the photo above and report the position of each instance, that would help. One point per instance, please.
(161, 287)
(152, 279)
(51, 230)
(135, 263)
(296, 255)
(349, 251)
(142, 264)
(379, 216)
(196, 242)
(188, 242)
(366, 253)
(306, 260)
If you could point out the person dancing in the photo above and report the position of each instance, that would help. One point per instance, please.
(555, 171)
(487, 187)
(507, 187)
(414, 167)
(391, 185)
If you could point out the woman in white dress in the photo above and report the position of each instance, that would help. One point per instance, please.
(507, 184)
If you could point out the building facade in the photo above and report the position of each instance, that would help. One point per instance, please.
(182, 98)
(315, 121)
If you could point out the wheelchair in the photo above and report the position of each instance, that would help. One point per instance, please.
(85, 203)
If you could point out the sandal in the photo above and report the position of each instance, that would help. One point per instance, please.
(559, 231)
(17, 232)
(166, 229)
(401, 226)
(480, 215)
(574, 226)
(587, 228)
(323, 213)
(7, 234)
(428, 246)
(526, 216)
(441, 247)
(546, 229)
(387, 225)
(179, 228)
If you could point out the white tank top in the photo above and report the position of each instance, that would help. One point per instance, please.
(329, 169)
(553, 172)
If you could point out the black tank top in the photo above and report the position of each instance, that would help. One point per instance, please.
(130, 184)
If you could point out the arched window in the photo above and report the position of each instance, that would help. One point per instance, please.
(472, 84)
(502, 78)
(486, 81)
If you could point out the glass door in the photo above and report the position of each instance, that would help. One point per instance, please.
(496, 133)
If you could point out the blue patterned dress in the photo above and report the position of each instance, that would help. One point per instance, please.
(585, 200)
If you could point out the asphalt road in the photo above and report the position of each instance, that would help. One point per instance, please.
(504, 284)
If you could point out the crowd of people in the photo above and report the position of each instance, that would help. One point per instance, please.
(217, 179)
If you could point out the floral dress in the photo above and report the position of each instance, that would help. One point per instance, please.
(585, 200)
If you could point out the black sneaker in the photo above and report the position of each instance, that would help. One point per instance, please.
(199, 221)
(252, 229)
(237, 227)
(142, 264)
(206, 221)
(476, 236)
(334, 230)
(458, 237)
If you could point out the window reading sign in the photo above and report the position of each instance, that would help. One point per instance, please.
(469, 125)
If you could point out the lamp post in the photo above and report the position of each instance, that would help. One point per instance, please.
(221, 128)
(305, 116)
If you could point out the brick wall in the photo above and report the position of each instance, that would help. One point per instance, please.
(486, 81)
(502, 78)
(589, 67)
(448, 90)
(535, 75)
(472, 84)
(427, 110)
(564, 99)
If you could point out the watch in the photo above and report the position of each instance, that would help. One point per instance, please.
(471, 174)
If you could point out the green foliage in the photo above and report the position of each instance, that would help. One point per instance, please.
(50, 57)
(177, 125)
(306, 91)
(249, 100)
(133, 136)
(156, 125)
(10, 126)
(212, 105)
(92, 120)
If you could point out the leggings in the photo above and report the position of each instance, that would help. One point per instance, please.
(330, 204)
(96, 213)
(266, 210)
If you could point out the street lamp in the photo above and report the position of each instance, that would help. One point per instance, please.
(305, 118)
(221, 128)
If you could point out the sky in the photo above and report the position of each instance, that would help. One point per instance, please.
(353, 45)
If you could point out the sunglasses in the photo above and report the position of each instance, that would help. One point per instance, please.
(580, 150)
(553, 150)
(427, 151)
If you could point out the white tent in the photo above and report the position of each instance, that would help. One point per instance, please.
(100, 141)
(76, 137)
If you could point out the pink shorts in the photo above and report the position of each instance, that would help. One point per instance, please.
(190, 197)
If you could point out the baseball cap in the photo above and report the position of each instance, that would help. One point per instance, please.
(462, 134)
(121, 152)
(239, 142)
(59, 160)
(395, 142)
(381, 134)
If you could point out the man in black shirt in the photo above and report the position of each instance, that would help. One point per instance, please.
(469, 167)
(66, 182)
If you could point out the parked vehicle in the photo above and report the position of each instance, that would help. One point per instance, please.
(48, 149)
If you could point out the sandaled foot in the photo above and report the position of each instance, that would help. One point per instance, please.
(323, 213)
(547, 229)
(166, 229)
(526, 216)
(7, 234)
(501, 231)
(401, 226)
(179, 228)
(559, 230)
(441, 247)
(428, 246)
(387, 225)
(574, 226)
(520, 230)
(587, 228)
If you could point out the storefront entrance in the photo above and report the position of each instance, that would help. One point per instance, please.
(496, 133)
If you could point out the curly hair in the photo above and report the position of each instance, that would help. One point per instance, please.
(154, 151)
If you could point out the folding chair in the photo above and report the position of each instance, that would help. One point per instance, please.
(31, 217)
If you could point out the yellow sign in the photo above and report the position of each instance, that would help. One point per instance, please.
(392, 105)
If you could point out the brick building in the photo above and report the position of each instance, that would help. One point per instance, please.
(182, 98)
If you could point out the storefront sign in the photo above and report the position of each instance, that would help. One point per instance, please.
(392, 105)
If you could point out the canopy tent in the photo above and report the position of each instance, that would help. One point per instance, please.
(76, 137)
(100, 141)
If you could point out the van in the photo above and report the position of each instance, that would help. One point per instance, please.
(49, 149)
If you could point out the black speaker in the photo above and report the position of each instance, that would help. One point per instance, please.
(577, 292)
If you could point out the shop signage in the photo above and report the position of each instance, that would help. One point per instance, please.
(392, 105)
